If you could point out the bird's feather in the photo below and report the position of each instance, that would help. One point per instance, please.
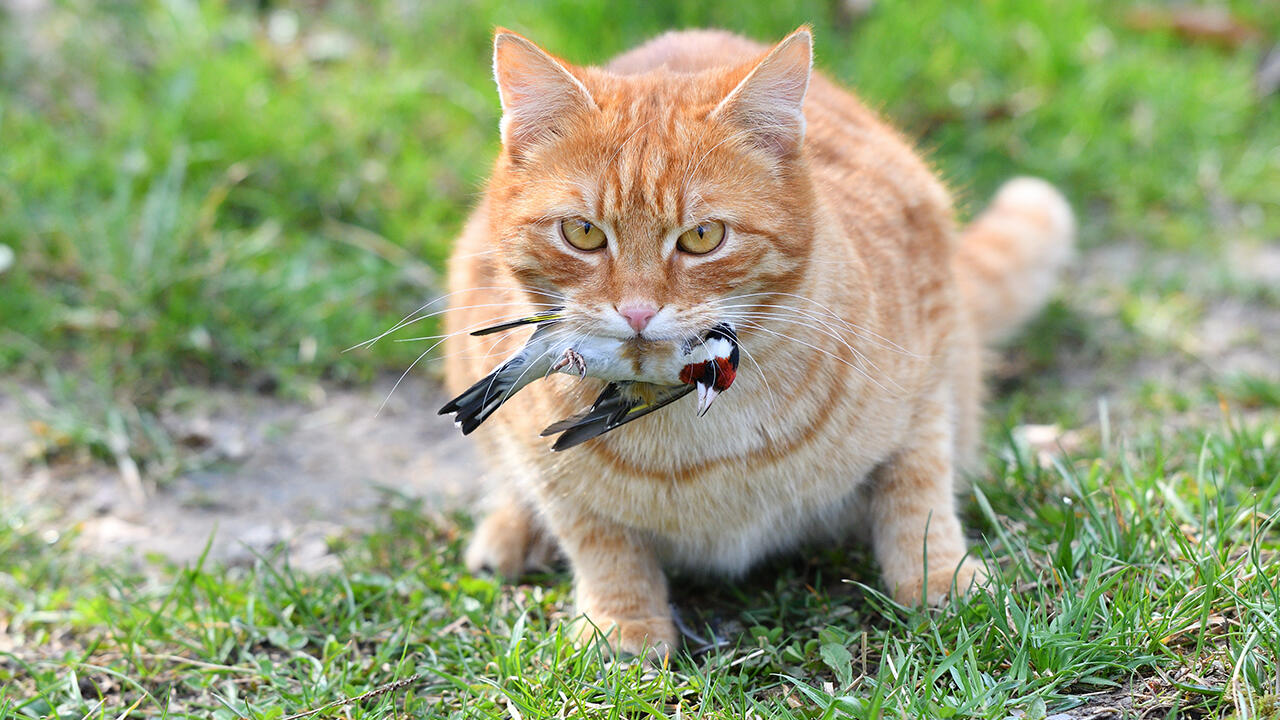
(552, 315)
(613, 408)
(475, 404)
(478, 402)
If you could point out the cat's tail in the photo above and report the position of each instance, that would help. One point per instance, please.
(1009, 257)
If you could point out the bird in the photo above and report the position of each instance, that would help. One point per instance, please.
(706, 363)
(623, 401)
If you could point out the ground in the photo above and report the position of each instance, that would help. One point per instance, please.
(204, 512)
(272, 474)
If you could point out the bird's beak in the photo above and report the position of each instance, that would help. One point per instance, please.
(706, 395)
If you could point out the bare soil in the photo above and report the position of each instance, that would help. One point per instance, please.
(269, 474)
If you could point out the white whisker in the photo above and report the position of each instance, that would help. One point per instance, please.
(860, 371)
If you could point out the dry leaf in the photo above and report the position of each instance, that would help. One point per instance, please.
(1208, 24)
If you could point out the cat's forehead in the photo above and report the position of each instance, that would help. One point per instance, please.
(675, 94)
(651, 150)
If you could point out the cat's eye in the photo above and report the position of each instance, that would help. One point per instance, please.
(582, 234)
(702, 238)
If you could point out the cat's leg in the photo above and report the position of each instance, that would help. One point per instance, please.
(619, 586)
(510, 539)
(914, 525)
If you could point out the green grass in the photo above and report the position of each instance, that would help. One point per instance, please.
(201, 194)
(1148, 572)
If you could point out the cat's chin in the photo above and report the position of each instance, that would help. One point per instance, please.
(642, 351)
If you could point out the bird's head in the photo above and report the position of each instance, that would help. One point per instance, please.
(715, 374)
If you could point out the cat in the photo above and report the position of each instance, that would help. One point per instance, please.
(861, 309)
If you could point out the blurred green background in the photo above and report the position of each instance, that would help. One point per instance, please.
(233, 192)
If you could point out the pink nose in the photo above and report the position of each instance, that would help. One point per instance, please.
(637, 316)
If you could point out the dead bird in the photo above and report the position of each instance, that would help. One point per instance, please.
(707, 364)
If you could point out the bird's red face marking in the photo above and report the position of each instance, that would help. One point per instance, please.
(722, 373)
(725, 374)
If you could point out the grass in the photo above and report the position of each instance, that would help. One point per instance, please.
(220, 194)
(1147, 574)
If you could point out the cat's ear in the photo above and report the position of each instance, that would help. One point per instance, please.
(537, 91)
(768, 102)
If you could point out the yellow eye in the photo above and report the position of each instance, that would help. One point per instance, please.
(702, 238)
(582, 234)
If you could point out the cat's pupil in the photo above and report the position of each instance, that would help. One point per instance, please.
(700, 231)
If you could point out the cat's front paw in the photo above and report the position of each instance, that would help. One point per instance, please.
(652, 638)
(508, 542)
(938, 588)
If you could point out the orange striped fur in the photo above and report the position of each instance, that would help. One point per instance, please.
(861, 309)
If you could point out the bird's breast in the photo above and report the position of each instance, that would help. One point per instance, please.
(637, 360)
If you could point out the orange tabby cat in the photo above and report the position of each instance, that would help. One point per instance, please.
(860, 307)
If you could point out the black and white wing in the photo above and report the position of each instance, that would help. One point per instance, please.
(616, 406)
(479, 401)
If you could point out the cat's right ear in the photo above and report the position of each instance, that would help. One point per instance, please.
(537, 91)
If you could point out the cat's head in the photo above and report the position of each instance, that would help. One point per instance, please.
(655, 203)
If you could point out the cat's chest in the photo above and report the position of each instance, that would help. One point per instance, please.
(730, 513)
(721, 474)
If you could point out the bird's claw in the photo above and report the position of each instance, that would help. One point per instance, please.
(571, 359)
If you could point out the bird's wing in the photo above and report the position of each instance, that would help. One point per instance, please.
(552, 315)
(478, 402)
(612, 409)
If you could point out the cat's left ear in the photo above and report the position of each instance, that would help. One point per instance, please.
(538, 92)
(768, 102)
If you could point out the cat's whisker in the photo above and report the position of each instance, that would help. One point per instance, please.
(856, 330)
(859, 370)
(832, 314)
(822, 326)
(433, 346)
(474, 327)
(773, 407)
(816, 326)
(414, 316)
(420, 318)
(829, 332)
(403, 375)
(555, 333)
(468, 329)
(413, 364)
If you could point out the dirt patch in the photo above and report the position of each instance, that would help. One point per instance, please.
(271, 474)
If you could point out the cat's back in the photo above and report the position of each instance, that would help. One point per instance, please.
(687, 51)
